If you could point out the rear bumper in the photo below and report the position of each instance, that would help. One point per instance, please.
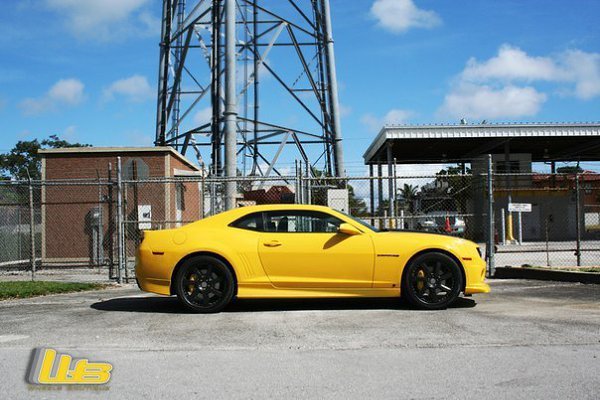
(148, 271)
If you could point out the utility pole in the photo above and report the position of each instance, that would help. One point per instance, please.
(490, 236)
(230, 113)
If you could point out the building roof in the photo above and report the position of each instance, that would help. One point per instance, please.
(464, 142)
(584, 176)
(120, 150)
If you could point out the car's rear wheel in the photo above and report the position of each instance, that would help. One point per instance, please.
(204, 284)
(432, 281)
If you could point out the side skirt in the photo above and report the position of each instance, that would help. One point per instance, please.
(246, 291)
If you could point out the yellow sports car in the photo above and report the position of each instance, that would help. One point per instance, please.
(303, 251)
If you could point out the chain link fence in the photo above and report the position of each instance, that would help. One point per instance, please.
(558, 225)
(18, 235)
(98, 223)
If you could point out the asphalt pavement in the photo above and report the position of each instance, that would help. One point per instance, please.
(525, 340)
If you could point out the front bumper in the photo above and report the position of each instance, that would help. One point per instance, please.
(475, 277)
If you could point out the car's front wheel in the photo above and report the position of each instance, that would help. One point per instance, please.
(432, 281)
(204, 284)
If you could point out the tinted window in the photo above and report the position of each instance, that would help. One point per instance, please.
(300, 221)
(253, 222)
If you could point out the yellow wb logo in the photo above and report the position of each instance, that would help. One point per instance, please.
(51, 368)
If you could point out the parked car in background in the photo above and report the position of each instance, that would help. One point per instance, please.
(442, 222)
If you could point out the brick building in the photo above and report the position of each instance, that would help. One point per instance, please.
(78, 201)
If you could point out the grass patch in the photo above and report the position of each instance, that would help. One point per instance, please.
(572, 269)
(23, 289)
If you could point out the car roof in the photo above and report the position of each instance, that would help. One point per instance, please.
(277, 207)
(235, 213)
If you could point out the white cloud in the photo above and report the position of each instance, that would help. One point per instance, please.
(398, 16)
(393, 117)
(203, 116)
(135, 88)
(345, 111)
(65, 92)
(485, 102)
(70, 133)
(138, 138)
(397, 116)
(504, 85)
(512, 63)
(105, 19)
(68, 91)
(584, 69)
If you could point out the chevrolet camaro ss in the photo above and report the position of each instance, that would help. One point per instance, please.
(304, 251)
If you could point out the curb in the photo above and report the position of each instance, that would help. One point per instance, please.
(546, 275)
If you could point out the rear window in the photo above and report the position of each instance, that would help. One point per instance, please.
(251, 222)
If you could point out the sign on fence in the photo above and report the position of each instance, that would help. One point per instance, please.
(338, 200)
(145, 216)
(519, 207)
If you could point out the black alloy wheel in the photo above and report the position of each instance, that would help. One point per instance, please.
(204, 284)
(432, 281)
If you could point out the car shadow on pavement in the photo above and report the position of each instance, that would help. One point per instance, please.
(170, 305)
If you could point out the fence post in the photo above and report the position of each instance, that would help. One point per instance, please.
(372, 194)
(202, 191)
(111, 223)
(520, 228)
(490, 239)
(308, 183)
(120, 241)
(394, 197)
(32, 229)
(295, 181)
(300, 194)
(502, 227)
(578, 220)
(548, 241)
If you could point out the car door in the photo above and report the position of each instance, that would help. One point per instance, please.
(302, 249)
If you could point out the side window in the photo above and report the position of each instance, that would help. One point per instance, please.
(252, 222)
(300, 222)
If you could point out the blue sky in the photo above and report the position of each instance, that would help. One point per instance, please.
(86, 70)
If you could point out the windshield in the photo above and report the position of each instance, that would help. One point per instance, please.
(361, 222)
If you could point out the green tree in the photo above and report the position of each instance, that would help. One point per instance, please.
(408, 193)
(569, 170)
(358, 207)
(456, 187)
(24, 161)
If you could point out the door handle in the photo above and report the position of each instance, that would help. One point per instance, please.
(272, 243)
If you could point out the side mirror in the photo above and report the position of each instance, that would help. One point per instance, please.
(348, 229)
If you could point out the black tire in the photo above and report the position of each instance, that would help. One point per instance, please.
(204, 284)
(432, 281)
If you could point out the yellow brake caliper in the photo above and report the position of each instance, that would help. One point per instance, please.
(420, 280)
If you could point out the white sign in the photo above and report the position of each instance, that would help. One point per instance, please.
(144, 217)
(338, 199)
(519, 207)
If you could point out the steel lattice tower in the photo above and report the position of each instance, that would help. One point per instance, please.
(249, 85)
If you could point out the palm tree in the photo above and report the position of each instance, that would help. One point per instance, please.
(408, 192)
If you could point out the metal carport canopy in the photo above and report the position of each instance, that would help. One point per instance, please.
(421, 144)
